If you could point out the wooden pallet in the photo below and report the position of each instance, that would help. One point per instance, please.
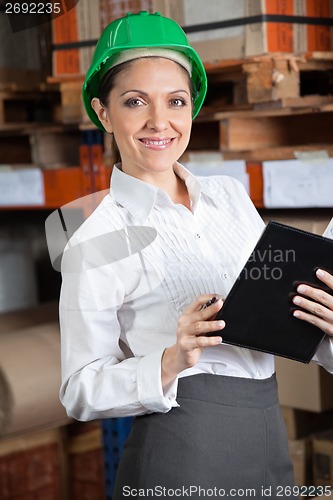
(253, 130)
(279, 81)
(28, 106)
(72, 108)
(273, 79)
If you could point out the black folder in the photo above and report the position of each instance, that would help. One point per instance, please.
(258, 309)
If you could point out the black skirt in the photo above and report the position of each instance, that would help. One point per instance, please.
(227, 438)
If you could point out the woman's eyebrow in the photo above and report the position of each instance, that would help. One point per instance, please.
(134, 90)
(145, 93)
(178, 91)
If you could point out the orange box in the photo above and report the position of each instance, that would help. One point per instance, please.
(319, 37)
(80, 24)
(280, 36)
(65, 30)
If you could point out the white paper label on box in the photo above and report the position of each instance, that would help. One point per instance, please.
(22, 187)
(236, 169)
(293, 183)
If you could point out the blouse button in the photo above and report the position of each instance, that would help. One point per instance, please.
(197, 236)
(224, 276)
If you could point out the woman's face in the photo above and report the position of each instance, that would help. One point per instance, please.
(150, 114)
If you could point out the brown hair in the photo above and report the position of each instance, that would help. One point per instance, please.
(107, 84)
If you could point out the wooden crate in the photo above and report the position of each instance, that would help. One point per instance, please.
(86, 475)
(32, 466)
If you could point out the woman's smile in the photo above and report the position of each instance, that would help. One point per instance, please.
(157, 144)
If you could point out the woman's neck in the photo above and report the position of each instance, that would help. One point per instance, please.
(169, 182)
(181, 194)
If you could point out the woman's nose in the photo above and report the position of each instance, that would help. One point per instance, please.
(157, 119)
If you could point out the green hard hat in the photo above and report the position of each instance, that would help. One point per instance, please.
(135, 31)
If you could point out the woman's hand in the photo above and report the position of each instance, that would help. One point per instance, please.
(191, 340)
(320, 312)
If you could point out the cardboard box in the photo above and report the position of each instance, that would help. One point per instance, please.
(305, 387)
(212, 45)
(33, 466)
(113, 9)
(300, 424)
(312, 220)
(80, 24)
(72, 108)
(86, 461)
(85, 23)
(21, 60)
(26, 318)
(300, 454)
(240, 41)
(30, 378)
(55, 147)
(322, 445)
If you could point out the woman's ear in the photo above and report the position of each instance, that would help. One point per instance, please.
(102, 114)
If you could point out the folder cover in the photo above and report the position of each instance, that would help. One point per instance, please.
(258, 309)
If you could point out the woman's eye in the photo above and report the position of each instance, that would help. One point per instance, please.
(178, 102)
(133, 103)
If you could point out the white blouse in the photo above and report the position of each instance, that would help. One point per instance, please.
(142, 261)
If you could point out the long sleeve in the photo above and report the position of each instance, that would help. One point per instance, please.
(100, 378)
(324, 354)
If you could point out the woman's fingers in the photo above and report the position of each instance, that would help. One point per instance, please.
(200, 340)
(317, 308)
(200, 322)
(204, 327)
(316, 294)
(195, 323)
(324, 325)
(203, 341)
(325, 277)
(317, 303)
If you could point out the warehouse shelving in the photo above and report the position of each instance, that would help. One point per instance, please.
(243, 123)
(257, 109)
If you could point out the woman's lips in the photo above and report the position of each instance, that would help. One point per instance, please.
(156, 144)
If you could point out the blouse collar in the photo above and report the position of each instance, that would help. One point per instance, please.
(139, 197)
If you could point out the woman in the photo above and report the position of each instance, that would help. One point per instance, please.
(154, 252)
